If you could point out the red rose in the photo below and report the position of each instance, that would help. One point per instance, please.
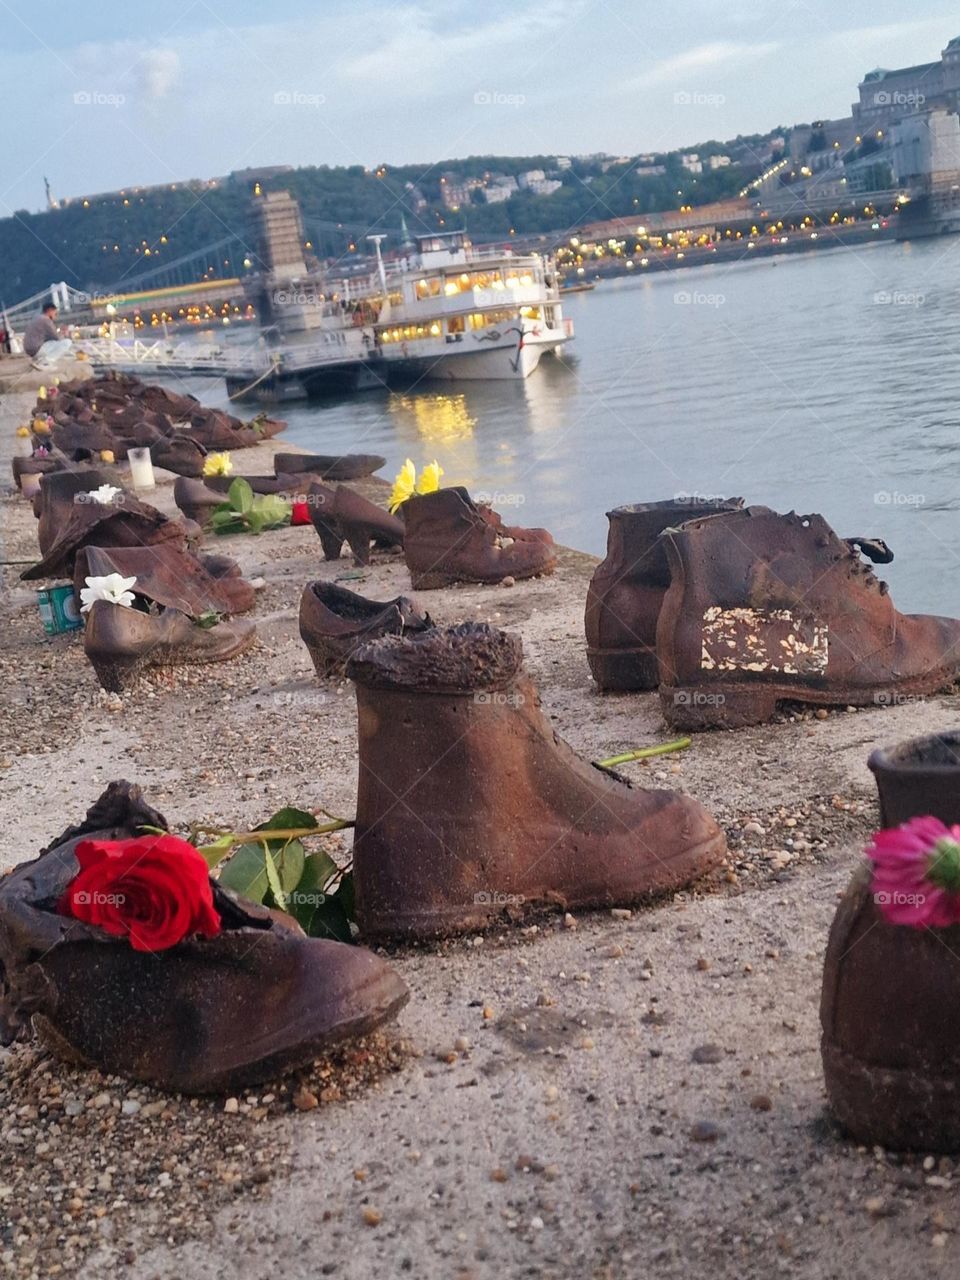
(154, 890)
(300, 513)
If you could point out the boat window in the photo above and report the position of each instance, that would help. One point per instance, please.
(455, 324)
(428, 288)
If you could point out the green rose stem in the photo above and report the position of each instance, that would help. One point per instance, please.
(274, 833)
(645, 753)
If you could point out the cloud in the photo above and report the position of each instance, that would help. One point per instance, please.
(422, 56)
(157, 72)
(702, 58)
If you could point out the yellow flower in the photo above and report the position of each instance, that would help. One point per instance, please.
(404, 486)
(429, 480)
(42, 393)
(23, 431)
(217, 464)
(41, 426)
(106, 455)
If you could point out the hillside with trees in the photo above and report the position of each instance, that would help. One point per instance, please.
(102, 242)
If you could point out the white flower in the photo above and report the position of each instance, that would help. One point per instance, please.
(113, 588)
(105, 494)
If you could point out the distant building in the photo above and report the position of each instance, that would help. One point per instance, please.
(692, 162)
(497, 194)
(562, 162)
(531, 175)
(926, 147)
(455, 193)
(650, 170)
(612, 162)
(718, 162)
(418, 201)
(544, 186)
(887, 96)
(280, 229)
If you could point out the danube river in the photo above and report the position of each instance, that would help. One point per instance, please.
(825, 382)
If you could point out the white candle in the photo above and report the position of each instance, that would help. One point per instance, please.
(141, 469)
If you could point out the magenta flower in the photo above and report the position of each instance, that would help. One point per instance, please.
(916, 873)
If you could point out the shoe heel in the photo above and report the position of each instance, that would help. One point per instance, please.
(358, 540)
(116, 673)
(331, 539)
(630, 669)
(692, 708)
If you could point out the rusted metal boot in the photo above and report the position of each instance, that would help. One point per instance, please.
(448, 540)
(124, 521)
(120, 641)
(627, 590)
(919, 777)
(208, 1015)
(469, 804)
(57, 500)
(765, 608)
(334, 623)
(890, 1041)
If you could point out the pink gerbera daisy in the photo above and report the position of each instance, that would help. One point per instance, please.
(916, 873)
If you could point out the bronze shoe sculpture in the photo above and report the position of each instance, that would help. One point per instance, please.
(180, 454)
(469, 804)
(130, 523)
(495, 520)
(334, 623)
(764, 608)
(347, 466)
(120, 641)
(170, 576)
(627, 590)
(282, 483)
(448, 540)
(917, 777)
(34, 466)
(208, 1015)
(890, 1041)
(341, 515)
(61, 493)
(196, 499)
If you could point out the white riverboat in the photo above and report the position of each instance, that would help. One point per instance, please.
(453, 312)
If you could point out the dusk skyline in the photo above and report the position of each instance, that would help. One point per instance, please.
(99, 100)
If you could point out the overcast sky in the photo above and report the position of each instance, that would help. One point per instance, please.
(98, 96)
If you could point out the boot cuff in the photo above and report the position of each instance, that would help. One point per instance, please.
(457, 659)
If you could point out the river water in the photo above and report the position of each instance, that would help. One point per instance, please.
(824, 382)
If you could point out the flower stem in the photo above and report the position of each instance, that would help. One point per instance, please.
(645, 753)
(275, 833)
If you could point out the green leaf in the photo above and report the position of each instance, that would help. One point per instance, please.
(318, 870)
(330, 921)
(246, 873)
(215, 853)
(273, 876)
(240, 495)
(274, 510)
(287, 819)
(256, 523)
(346, 895)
